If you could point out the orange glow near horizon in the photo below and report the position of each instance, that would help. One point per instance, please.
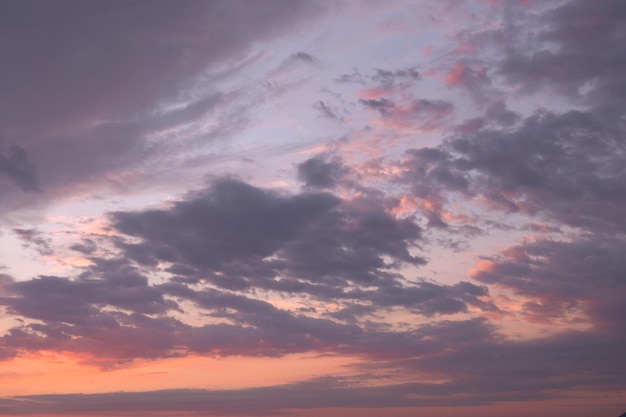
(56, 373)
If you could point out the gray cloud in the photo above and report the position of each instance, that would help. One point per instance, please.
(322, 172)
(389, 78)
(114, 316)
(229, 223)
(477, 364)
(153, 46)
(56, 299)
(383, 105)
(567, 167)
(305, 57)
(231, 230)
(237, 239)
(577, 52)
(15, 164)
(87, 246)
(36, 239)
(423, 113)
(384, 79)
(222, 249)
(327, 111)
(354, 77)
(563, 277)
(84, 112)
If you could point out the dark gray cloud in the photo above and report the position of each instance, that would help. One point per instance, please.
(85, 84)
(431, 177)
(275, 400)
(476, 361)
(57, 299)
(383, 105)
(106, 313)
(15, 164)
(87, 246)
(498, 113)
(479, 366)
(239, 237)
(576, 51)
(560, 278)
(305, 57)
(221, 245)
(322, 172)
(522, 370)
(567, 167)
(102, 50)
(220, 251)
(114, 316)
(242, 236)
(229, 223)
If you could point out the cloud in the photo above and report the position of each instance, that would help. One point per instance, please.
(388, 78)
(229, 223)
(354, 77)
(305, 57)
(320, 172)
(477, 365)
(421, 113)
(341, 264)
(327, 111)
(57, 299)
(559, 279)
(474, 80)
(499, 113)
(239, 237)
(562, 166)
(87, 246)
(115, 316)
(382, 78)
(274, 400)
(243, 236)
(15, 164)
(88, 107)
(215, 250)
(34, 238)
(576, 53)
(119, 46)
(381, 83)
(383, 106)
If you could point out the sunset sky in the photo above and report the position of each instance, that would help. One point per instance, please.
(305, 208)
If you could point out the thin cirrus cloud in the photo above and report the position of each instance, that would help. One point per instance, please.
(450, 222)
(86, 84)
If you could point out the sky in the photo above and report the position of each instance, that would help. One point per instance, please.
(298, 208)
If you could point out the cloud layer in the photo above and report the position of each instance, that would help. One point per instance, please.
(443, 204)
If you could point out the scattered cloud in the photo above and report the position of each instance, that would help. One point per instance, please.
(453, 221)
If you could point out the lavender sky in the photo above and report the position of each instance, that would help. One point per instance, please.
(303, 208)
